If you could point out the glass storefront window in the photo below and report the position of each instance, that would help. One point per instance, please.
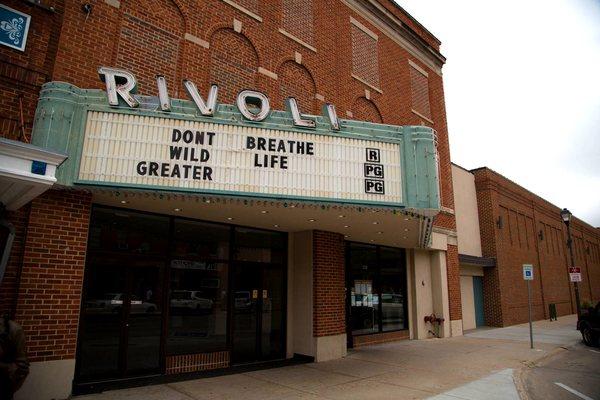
(200, 240)
(114, 230)
(198, 307)
(254, 245)
(377, 287)
(393, 280)
(364, 300)
(148, 272)
(198, 302)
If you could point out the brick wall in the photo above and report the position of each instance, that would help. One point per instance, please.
(365, 110)
(492, 297)
(297, 19)
(329, 311)
(365, 57)
(419, 88)
(453, 272)
(52, 274)
(518, 227)
(296, 81)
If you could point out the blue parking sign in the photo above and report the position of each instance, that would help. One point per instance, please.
(528, 272)
(14, 26)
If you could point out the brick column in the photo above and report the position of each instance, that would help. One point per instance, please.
(52, 274)
(453, 272)
(487, 204)
(329, 311)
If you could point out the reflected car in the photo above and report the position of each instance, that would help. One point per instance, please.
(243, 300)
(190, 299)
(113, 302)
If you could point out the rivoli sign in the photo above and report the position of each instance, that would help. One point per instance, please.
(121, 83)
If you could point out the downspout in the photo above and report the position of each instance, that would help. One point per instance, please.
(537, 251)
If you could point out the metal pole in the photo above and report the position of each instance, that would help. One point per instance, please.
(575, 285)
(529, 306)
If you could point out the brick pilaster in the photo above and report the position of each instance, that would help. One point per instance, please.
(453, 273)
(52, 274)
(329, 312)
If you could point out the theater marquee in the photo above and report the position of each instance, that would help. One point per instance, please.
(135, 150)
(120, 139)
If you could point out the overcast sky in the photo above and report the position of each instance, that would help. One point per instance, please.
(522, 86)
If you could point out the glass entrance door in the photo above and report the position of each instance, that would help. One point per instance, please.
(122, 304)
(143, 321)
(121, 320)
(247, 307)
(258, 313)
(258, 290)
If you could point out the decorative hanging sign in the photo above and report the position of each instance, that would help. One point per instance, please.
(14, 27)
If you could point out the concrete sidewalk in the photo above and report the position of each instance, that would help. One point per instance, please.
(561, 332)
(463, 367)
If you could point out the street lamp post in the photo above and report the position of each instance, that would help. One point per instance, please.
(566, 217)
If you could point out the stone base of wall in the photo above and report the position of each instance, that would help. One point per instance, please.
(48, 380)
(365, 340)
(456, 328)
(330, 347)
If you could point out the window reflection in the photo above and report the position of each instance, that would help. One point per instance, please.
(393, 284)
(128, 232)
(198, 305)
(377, 275)
(201, 240)
(259, 246)
(364, 300)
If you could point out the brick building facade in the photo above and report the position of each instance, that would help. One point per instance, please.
(502, 226)
(372, 60)
(519, 227)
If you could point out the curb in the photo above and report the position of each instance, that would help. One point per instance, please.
(520, 373)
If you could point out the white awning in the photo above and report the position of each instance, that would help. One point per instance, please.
(26, 171)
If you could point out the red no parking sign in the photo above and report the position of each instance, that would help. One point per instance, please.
(575, 274)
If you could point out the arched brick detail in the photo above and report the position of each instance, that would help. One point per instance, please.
(164, 14)
(365, 110)
(158, 26)
(233, 63)
(296, 81)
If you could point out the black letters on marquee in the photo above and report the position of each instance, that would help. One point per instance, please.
(280, 146)
(190, 151)
(184, 149)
